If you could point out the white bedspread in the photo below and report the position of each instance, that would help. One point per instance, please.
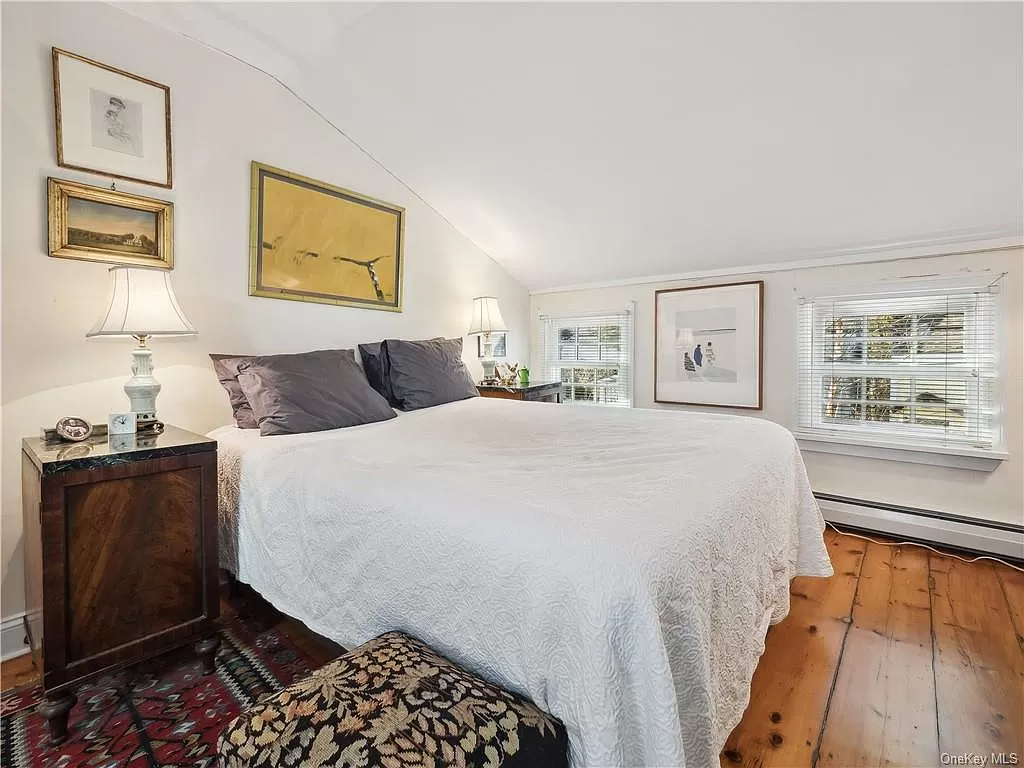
(618, 567)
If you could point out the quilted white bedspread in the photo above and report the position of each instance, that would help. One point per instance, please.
(618, 567)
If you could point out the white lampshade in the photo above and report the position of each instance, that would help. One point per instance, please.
(486, 316)
(142, 303)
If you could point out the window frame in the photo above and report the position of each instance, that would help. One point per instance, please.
(554, 324)
(883, 439)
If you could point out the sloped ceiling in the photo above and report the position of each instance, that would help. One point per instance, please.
(582, 142)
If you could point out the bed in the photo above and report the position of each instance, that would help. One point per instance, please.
(620, 567)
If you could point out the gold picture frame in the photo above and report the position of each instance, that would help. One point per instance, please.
(111, 122)
(98, 224)
(312, 241)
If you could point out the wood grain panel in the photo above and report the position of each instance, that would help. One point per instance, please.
(132, 563)
(501, 394)
(882, 710)
(979, 665)
(790, 689)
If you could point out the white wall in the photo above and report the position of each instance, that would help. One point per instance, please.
(224, 116)
(997, 495)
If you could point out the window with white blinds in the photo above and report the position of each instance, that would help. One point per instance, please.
(592, 355)
(913, 364)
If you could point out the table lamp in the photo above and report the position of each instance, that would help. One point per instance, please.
(487, 319)
(141, 305)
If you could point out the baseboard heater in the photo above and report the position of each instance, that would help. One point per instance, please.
(926, 526)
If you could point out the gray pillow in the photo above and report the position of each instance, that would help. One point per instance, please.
(310, 392)
(375, 364)
(226, 368)
(427, 373)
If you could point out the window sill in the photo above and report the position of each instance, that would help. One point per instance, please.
(977, 459)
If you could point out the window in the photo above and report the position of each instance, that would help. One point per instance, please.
(908, 365)
(592, 356)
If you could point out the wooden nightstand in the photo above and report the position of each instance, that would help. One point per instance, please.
(544, 391)
(120, 556)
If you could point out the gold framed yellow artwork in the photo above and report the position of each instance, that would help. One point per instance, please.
(99, 224)
(312, 241)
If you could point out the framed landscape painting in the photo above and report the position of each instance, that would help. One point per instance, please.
(111, 122)
(311, 241)
(708, 342)
(98, 224)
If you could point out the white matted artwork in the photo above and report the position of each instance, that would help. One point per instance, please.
(708, 344)
(111, 122)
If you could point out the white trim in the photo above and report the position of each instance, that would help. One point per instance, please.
(952, 533)
(12, 637)
(919, 249)
(895, 450)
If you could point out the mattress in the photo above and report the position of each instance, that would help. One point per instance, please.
(619, 567)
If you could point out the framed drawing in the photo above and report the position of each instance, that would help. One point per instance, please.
(111, 122)
(311, 241)
(99, 224)
(708, 342)
(499, 341)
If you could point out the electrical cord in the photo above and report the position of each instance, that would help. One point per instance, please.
(924, 546)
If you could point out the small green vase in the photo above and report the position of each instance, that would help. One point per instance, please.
(524, 376)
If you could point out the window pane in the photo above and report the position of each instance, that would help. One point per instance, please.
(589, 345)
(584, 394)
(889, 325)
(846, 325)
(940, 392)
(943, 332)
(842, 387)
(844, 351)
(842, 411)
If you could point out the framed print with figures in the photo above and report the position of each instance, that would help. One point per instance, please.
(708, 342)
(111, 122)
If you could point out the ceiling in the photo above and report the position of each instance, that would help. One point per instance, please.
(580, 142)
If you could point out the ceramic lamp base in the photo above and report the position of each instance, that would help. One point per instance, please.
(142, 388)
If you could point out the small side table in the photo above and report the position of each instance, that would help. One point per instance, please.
(540, 391)
(120, 556)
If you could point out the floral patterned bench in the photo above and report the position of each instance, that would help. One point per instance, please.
(393, 702)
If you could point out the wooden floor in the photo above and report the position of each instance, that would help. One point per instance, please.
(901, 656)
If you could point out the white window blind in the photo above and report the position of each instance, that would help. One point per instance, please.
(914, 363)
(592, 355)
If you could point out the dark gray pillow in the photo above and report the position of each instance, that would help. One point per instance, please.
(226, 368)
(310, 392)
(375, 364)
(427, 373)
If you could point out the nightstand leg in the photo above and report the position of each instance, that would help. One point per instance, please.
(207, 650)
(56, 711)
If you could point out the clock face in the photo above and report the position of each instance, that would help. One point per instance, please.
(121, 424)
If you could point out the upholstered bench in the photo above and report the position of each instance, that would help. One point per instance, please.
(393, 702)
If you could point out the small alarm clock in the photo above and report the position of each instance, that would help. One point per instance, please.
(121, 424)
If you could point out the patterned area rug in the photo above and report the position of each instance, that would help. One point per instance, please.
(160, 713)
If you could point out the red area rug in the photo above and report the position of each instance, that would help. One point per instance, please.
(160, 713)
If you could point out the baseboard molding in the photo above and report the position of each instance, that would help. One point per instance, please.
(12, 637)
(978, 536)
